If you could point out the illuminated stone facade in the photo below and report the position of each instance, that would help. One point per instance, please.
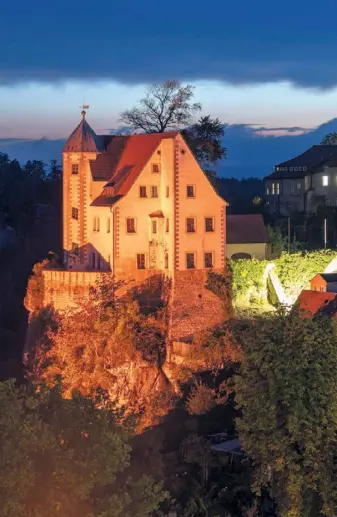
(138, 205)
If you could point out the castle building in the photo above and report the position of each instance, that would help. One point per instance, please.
(135, 205)
(303, 183)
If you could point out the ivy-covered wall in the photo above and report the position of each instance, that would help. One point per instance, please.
(248, 281)
(295, 270)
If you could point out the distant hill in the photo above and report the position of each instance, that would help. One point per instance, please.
(249, 152)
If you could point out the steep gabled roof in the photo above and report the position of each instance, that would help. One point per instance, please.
(83, 139)
(312, 158)
(310, 303)
(245, 229)
(120, 166)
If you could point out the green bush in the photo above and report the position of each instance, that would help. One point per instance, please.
(297, 269)
(248, 285)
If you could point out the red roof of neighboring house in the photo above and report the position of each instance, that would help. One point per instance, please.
(245, 229)
(122, 163)
(315, 302)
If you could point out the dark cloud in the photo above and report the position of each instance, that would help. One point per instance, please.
(146, 41)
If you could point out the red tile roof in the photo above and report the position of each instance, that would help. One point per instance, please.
(310, 303)
(245, 229)
(123, 161)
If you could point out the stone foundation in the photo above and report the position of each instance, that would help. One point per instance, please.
(192, 308)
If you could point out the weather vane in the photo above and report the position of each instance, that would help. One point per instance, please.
(84, 107)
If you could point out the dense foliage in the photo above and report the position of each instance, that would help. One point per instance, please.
(66, 457)
(286, 391)
(248, 282)
(295, 270)
(30, 212)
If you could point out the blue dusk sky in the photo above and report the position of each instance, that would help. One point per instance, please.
(268, 64)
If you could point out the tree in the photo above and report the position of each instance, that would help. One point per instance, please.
(330, 139)
(205, 140)
(286, 391)
(66, 457)
(165, 106)
(276, 240)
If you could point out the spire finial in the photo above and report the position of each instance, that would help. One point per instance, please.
(83, 112)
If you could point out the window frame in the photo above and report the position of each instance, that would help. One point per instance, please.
(211, 253)
(140, 191)
(193, 191)
(167, 191)
(155, 165)
(154, 226)
(167, 225)
(138, 261)
(154, 191)
(74, 213)
(134, 226)
(75, 167)
(194, 219)
(194, 254)
(325, 181)
(212, 218)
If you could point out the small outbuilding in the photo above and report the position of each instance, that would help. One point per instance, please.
(246, 237)
(324, 282)
(310, 303)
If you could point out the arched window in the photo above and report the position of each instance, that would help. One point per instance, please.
(237, 256)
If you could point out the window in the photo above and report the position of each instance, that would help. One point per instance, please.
(142, 192)
(190, 191)
(130, 225)
(190, 260)
(98, 261)
(166, 260)
(273, 188)
(168, 190)
(96, 224)
(167, 225)
(208, 259)
(140, 261)
(74, 168)
(267, 191)
(298, 186)
(108, 225)
(209, 224)
(278, 189)
(155, 167)
(292, 187)
(325, 181)
(74, 213)
(154, 226)
(190, 224)
(154, 191)
(93, 260)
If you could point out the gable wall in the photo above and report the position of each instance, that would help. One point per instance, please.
(205, 204)
(133, 206)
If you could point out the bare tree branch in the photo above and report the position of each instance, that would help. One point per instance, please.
(164, 107)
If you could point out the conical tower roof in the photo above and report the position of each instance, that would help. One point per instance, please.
(83, 139)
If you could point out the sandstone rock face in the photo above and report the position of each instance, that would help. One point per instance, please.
(139, 386)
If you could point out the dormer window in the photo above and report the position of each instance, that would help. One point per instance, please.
(74, 168)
